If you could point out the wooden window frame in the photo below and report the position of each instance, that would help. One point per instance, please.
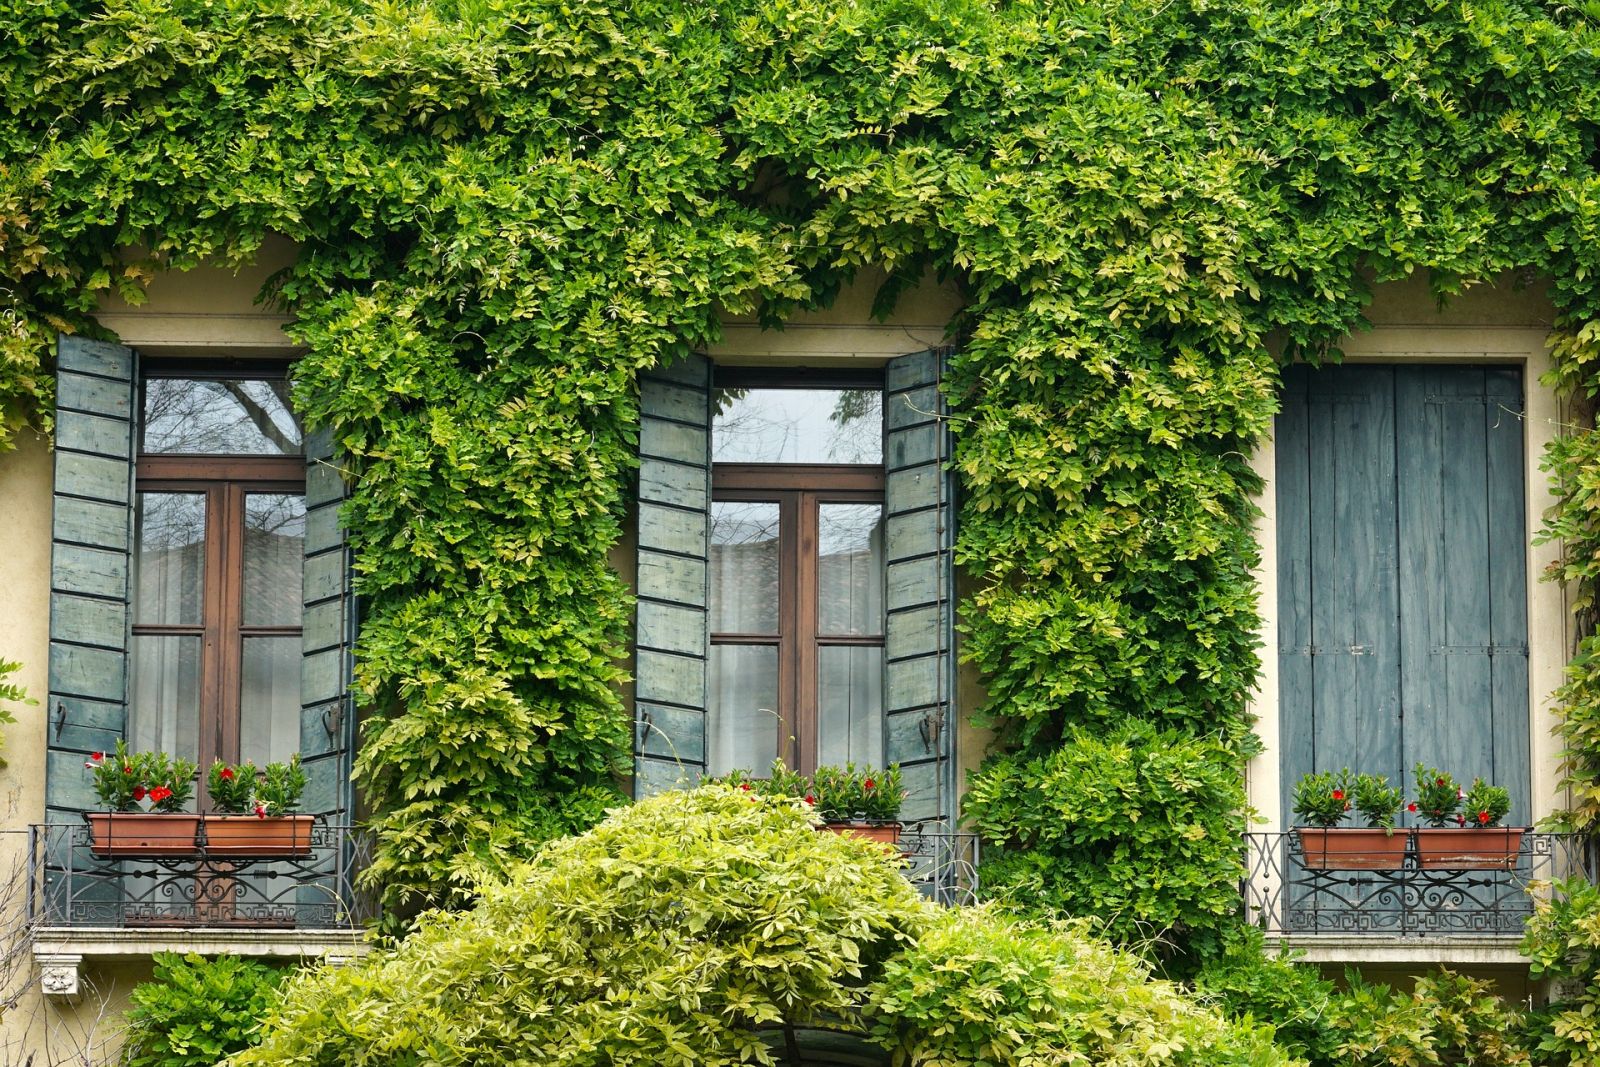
(799, 491)
(225, 481)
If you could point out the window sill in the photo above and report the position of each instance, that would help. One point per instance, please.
(60, 951)
(1489, 950)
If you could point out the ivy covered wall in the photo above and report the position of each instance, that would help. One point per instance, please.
(507, 208)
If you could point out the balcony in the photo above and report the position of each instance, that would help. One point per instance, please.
(1412, 914)
(80, 904)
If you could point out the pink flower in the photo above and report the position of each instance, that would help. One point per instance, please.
(1461, 820)
(1459, 794)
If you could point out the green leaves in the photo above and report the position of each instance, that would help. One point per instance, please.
(195, 1011)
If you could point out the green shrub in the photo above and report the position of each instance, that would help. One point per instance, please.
(671, 932)
(1447, 1020)
(1562, 942)
(1139, 830)
(1292, 998)
(195, 1011)
(981, 989)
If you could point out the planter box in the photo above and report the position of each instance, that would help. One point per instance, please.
(1363, 849)
(253, 836)
(885, 833)
(1494, 849)
(142, 833)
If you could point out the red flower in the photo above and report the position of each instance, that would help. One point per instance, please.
(745, 786)
(138, 792)
(1438, 781)
(227, 774)
(261, 812)
(1412, 807)
(811, 799)
(1483, 817)
(159, 793)
(1338, 794)
(127, 769)
(1461, 820)
(868, 784)
(98, 756)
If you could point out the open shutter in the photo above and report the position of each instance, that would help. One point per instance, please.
(919, 666)
(327, 711)
(670, 639)
(89, 573)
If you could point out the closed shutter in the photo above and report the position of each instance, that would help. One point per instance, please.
(1402, 574)
(89, 573)
(919, 669)
(670, 637)
(327, 709)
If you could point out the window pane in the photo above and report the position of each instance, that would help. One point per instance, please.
(219, 416)
(850, 704)
(274, 551)
(171, 558)
(166, 695)
(798, 426)
(269, 699)
(742, 719)
(850, 569)
(744, 568)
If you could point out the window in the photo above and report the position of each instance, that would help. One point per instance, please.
(218, 549)
(795, 574)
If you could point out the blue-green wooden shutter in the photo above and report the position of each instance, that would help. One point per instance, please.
(327, 708)
(670, 637)
(919, 671)
(91, 534)
(1402, 574)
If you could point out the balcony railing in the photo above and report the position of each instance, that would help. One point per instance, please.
(1285, 897)
(940, 864)
(69, 885)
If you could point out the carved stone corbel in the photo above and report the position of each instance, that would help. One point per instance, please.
(58, 974)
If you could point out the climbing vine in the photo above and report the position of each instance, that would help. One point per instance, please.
(507, 208)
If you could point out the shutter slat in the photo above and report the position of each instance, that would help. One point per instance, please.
(919, 727)
(89, 587)
(670, 636)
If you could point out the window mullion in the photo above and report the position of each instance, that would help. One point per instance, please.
(804, 622)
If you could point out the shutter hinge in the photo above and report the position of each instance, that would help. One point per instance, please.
(61, 718)
(931, 726)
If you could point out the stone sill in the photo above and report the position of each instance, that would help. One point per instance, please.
(61, 950)
(1479, 950)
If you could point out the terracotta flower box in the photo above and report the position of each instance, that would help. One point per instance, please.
(254, 836)
(1492, 849)
(118, 834)
(886, 833)
(1352, 849)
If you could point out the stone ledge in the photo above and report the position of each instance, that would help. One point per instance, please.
(60, 951)
(1487, 949)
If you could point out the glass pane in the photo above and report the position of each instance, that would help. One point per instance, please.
(165, 712)
(171, 558)
(742, 720)
(850, 569)
(219, 416)
(274, 550)
(850, 704)
(744, 568)
(269, 699)
(798, 426)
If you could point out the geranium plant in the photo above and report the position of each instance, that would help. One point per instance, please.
(1438, 797)
(1377, 801)
(842, 794)
(1486, 804)
(278, 792)
(232, 787)
(127, 779)
(1323, 797)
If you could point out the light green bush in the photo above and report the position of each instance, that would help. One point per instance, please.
(674, 930)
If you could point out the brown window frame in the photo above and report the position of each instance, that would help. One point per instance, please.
(799, 490)
(225, 481)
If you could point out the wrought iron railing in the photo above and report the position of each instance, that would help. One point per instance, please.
(1285, 896)
(941, 864)
(70, 885)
